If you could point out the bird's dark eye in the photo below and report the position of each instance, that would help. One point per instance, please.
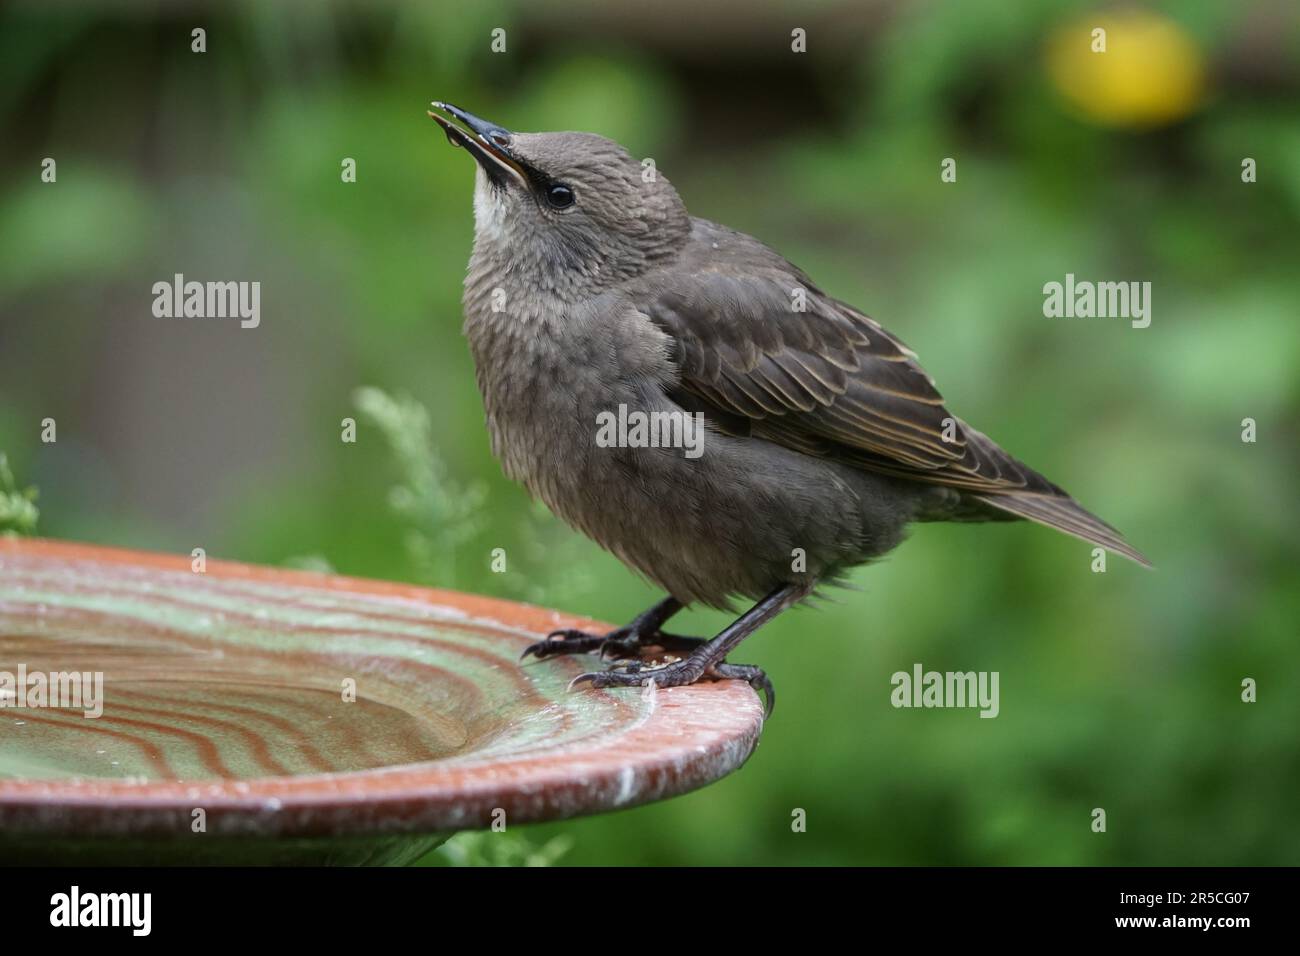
(559, 196)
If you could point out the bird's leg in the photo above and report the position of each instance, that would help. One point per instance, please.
(628, 640)
(709, 659)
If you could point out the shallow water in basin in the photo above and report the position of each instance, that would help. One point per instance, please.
(207, 678)
(160, 730)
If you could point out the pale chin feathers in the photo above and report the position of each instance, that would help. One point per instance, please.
(489, 210)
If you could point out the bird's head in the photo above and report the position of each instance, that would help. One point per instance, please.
(566, 210)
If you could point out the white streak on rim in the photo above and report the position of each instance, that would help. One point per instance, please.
(626, 784)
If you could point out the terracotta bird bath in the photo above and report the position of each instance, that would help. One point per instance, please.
(228, 732)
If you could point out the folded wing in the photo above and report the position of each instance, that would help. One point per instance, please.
(760, 343)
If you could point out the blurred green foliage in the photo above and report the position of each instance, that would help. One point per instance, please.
(442, 518)
(503, 848)
(1119, 690)
(18, 511)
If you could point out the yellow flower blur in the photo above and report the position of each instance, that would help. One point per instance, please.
(1150, 73)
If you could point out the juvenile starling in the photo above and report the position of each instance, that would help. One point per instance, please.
(591, 290)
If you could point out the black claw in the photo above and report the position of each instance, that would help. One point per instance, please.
(583, 679)
(755, 677)
(564, 641)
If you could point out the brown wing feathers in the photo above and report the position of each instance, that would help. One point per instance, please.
(830, 381)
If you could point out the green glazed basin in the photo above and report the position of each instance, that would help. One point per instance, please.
(258, 715)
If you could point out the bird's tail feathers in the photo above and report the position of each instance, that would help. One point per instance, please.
(1065, 514)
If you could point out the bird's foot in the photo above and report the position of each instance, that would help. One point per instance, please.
(567, 641)
(623, 643)
(679, 673)
(688, 658)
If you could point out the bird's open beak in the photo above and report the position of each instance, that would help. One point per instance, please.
(489, 144)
